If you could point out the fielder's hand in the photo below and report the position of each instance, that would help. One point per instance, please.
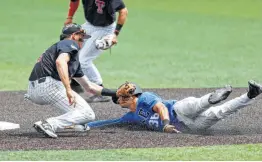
(71, 97)
(170, 129)
(114, 40)
(69, 20)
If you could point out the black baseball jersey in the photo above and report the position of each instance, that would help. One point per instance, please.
(46, 64)
(102, 12)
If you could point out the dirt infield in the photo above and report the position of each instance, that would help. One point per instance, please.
(243, 127)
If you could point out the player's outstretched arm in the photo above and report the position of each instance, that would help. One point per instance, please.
(102, 123)
(127, 118)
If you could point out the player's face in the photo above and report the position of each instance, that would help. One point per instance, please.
(125, 101)
(79, 37)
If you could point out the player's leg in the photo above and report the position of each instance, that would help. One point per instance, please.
(191, 107)
(89, 53)
(79, 114)
(212, 115)
(90, 70)
(55, 95)
(35, 92)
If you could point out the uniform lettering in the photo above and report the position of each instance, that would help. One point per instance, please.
(100, 5)
(143, 114)
(153, 122)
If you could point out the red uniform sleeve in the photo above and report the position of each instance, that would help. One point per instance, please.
(73, 7)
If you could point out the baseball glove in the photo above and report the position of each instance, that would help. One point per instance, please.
(126, 90)
(170, 129)
(105, 42)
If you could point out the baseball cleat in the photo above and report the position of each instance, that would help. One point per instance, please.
(220, 94)
(98, 99)
(45, 128)
(254, 89)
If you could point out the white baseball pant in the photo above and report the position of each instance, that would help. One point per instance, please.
(198, 113)
(52, 92)
(89, 52)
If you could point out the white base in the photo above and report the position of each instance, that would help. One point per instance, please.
(7, 125)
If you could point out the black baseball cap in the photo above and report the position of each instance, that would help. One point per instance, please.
(74, 28)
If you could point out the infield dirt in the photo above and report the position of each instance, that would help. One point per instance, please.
(242, 127)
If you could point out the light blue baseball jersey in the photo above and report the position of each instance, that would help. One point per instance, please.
(144, 114)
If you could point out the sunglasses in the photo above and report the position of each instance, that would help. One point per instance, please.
(82, 31)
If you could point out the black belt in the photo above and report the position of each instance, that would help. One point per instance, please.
(40, 80)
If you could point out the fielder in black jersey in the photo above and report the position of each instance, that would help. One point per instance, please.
(46, 64)
(49, 84)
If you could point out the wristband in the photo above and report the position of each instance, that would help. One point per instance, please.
(118, 28)
(166, 122)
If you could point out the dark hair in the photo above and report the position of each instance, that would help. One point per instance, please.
(63, 36)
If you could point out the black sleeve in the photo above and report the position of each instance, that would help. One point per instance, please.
(79, 73)
(68, 46)
(118, 5)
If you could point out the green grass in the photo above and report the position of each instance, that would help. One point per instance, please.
(170, 43)
(212, 153)
(176, 43)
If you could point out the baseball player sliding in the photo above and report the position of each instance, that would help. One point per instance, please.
(151, 111)
(49, 84)
(100, 23)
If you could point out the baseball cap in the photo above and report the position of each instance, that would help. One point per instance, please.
(74, 28)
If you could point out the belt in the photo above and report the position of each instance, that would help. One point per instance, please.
(40, 80)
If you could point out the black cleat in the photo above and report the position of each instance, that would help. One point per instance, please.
(220, 94)
(254, 89)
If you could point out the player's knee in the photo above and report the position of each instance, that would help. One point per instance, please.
(90, 116)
